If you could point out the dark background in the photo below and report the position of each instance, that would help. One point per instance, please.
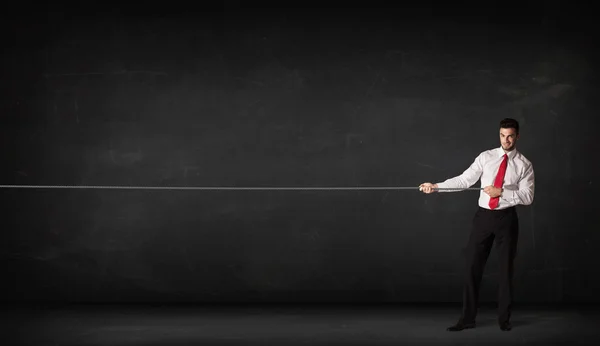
(312, 95)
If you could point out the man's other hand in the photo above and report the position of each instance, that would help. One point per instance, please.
(493, 191)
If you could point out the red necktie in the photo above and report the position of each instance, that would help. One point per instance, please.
(498, 182)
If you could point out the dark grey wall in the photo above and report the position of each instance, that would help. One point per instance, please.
(290, 98)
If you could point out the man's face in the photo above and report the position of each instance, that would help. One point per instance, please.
(508, 138)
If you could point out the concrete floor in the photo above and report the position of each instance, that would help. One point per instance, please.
(177, 325)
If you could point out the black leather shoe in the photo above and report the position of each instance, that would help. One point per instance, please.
(505, 326)
(460, 326)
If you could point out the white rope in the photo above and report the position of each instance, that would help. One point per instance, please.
(220, 188)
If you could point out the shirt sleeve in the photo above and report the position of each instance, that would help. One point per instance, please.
(524, 192)
(469, 177)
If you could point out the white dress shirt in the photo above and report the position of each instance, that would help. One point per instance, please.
(519, 180)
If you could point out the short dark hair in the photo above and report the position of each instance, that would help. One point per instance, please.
(508, 123)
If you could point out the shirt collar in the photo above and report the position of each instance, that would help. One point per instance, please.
(511, 154)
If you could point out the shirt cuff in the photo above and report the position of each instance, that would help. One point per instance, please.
(508, 196)
(442, 186)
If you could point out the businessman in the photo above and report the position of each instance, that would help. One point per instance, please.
(507, 179)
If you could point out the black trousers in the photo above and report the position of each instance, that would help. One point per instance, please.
(489, 225)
